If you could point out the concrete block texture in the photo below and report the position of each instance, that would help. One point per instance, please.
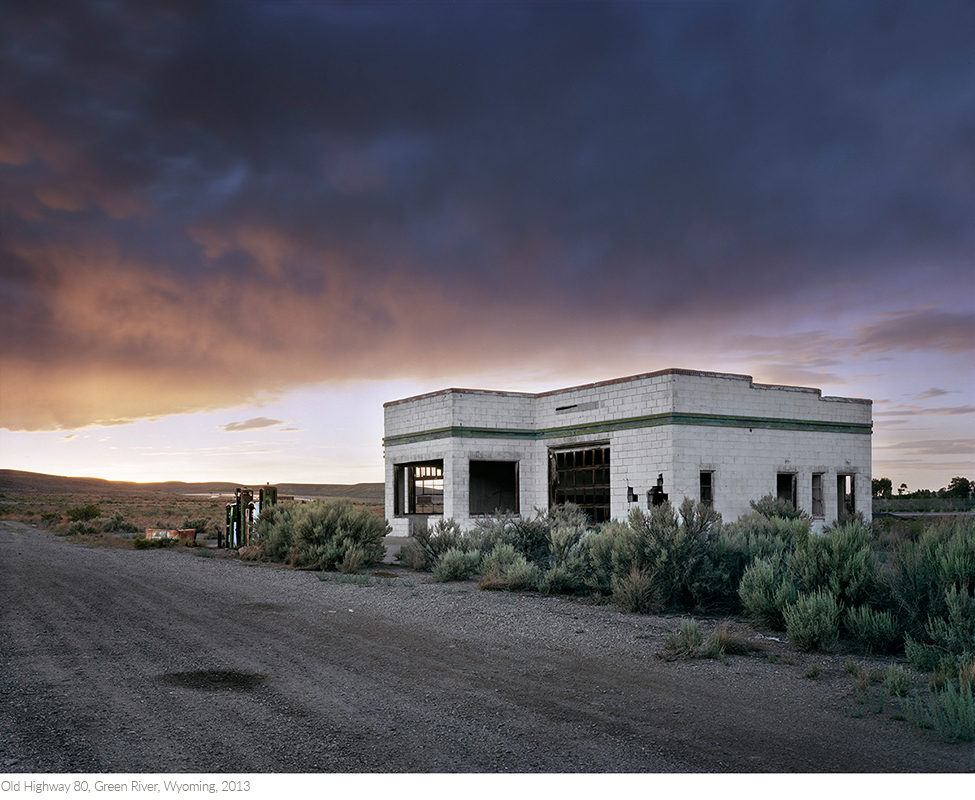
(661, 429)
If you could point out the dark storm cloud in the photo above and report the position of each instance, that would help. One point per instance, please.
(164, 165)
(923, 329)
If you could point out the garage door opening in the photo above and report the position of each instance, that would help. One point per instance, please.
(581, 477)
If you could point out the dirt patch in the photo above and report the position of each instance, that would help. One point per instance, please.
(215, 680)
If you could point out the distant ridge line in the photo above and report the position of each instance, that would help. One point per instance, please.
(13, 480)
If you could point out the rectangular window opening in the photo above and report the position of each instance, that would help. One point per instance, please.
(817, 495)
(493, 487)
(845, 497)
(581, 477)
(785, 488)
(707, 488)
(418, 488)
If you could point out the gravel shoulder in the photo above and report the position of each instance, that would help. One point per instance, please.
(160, 661)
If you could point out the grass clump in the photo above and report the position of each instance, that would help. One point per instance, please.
(897, 681)
(722, 642)
(685, 642)
(949, 711)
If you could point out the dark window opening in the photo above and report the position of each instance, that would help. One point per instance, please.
(494, 487)
(845, 501)
(707, 488)
(657, 496)
(817, 495)
(581, 477)
(418, 488)
(785, 487)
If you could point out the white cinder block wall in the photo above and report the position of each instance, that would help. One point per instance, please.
(674, 423)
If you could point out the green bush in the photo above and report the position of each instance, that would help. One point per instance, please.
(84, 513)
(878, 631)
(430, 544)
(413, 556)
(569, 566)
(766, 589)
(774, 508)
(949, 640)
(570, 578)
(950, 711)
(82, 528)
(141, 543)
(275, 530)
(812, 622)
(841, 560)
(201, 525)
(675, 552)
(529, 536)
(322, 535)
(117, 523)
(923, 570)
(602, 548)
(457, 565)
(505, 568)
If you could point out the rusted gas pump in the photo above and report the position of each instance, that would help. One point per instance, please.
(243, 513)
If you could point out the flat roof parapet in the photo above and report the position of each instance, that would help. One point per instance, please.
(632, 379)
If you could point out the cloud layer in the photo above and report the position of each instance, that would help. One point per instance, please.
(204, 204)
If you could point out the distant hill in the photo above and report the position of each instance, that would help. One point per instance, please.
(19, 482)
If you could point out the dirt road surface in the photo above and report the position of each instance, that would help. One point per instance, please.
(160, 661)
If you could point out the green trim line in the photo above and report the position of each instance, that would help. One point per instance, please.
(611, 426)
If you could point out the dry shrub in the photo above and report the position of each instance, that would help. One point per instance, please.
(251, 552)
(638, 591)
(723, 641)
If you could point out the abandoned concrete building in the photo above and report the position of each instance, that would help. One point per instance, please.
(633, 442)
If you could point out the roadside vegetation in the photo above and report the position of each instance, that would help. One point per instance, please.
(891, 588)
(323, 535)
(894, 589)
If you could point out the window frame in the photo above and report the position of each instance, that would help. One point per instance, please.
(707, 490)
(582, 475)
(406, 479)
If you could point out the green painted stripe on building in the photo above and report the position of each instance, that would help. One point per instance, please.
(610, 426)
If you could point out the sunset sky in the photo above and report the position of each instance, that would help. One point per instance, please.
(230, 231)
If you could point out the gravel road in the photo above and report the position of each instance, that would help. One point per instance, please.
(161, 661)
